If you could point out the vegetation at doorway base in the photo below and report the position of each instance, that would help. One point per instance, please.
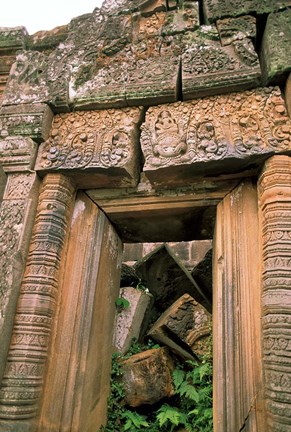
(190, 408)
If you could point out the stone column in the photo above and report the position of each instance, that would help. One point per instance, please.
(17, 212)
(236, 314)
(23, 378)
(275, 220)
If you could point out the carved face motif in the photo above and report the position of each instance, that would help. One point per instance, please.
(170, 146)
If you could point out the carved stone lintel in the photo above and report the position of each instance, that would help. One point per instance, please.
(209, 68)
(103, 141)
(275, 208)
(218, 134)
(22, 381)
(17, 154)
(184, 327)
(28, 120)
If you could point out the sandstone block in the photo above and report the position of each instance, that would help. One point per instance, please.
(184, 327)
(209, 68)
(147, 377)
(202, 273)
(233, 29)
(288, 95)
(215, 135)
(2, 182)
(12, 38)
(17, 154)
(214, 9)
(276, 47)
(130, 321)
(103, 143)
(167, 279)
(128, 276)
(28, 120)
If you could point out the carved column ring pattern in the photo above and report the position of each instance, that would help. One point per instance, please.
(275, 208)
(22, 381)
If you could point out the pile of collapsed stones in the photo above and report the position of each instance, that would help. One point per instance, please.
(169, 304)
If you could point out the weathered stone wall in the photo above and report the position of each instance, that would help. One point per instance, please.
(161, 111)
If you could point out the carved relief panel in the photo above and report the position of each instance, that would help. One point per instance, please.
(17, 211)
(22, 380)
(217, 134)
(105, 141)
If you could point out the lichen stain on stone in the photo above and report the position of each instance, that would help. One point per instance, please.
(78, 210)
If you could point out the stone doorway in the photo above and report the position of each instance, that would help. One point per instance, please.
(236, 302)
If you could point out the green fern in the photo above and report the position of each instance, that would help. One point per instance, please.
(134, 421)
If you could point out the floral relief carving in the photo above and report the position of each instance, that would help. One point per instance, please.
(11, 220)
(90, 139)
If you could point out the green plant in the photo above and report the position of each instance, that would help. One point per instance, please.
(121, 303)
(190, 408)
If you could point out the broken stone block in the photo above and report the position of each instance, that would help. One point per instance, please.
(202, 273)
(167, 279)
(215, 9)
(232, 29)
(131, 322)
(12, 38)
(215, 135)
(28, 120)
(128, 276)
(276, 47)
(181, 20)
(146, 7)
(104, 141)
(185, 327)
(209, 68)
(147, 377)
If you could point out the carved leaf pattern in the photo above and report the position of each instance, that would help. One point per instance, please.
(91, 139)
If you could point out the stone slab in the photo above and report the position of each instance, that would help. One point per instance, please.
(17, 154)
(102, 143)
(3, 179)
(202, 274)
(128, 276)
(129, 321)
(167, 279)
(233, 29)
(276, 47)
(288, 95)
(128, 58)
(12, 38)
(27, 120)
(215, 9)
(222, 134)
(184, 327)
(209, 68)
(147, 377)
